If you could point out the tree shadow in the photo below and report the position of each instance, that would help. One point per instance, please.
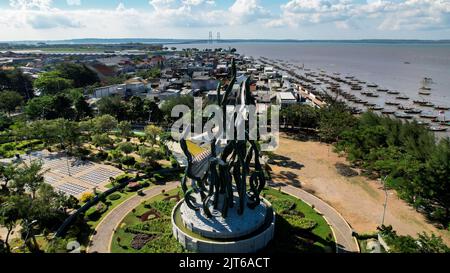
(288, 178)
(286, 162)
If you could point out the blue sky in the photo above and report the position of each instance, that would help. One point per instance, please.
(266, 19)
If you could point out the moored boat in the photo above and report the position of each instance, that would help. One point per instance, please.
(392, 103)
(437, 129)
(402, 115)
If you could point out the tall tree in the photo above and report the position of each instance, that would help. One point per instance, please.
(51, 83)
(9, 101)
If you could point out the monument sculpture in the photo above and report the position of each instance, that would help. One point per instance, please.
(222, 209)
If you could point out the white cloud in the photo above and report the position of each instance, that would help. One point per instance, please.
(30, 4)
(73, 2)
(394, 14)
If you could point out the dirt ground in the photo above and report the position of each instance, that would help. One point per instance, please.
(311, 166)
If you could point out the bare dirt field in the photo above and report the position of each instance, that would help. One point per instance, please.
(311, 166)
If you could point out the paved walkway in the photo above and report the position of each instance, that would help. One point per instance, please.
(345, 242)
(101, 241)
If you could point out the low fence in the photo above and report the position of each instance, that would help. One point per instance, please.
(64, 226)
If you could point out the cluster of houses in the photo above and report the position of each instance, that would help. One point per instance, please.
(187, 72)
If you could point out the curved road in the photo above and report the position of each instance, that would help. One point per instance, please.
(101, 241)
(343, 233)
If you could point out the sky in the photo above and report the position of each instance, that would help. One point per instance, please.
(234, 19)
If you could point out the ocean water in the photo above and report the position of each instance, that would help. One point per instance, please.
(394, 66)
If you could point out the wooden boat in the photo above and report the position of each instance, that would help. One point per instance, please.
(427, 104)
(356, 87)
(401, 107)
(441, 107)
(360, 101)
(424, 93)
(376, 108)
(392, 103)
(402, 115)
(402, 97)
(437, 129)
(372, 85)
(372, 95)
(393, 92)
(421, 122)
(428, 115)
(370, 104)
(413, 111)
(382, 90)
(388, 112)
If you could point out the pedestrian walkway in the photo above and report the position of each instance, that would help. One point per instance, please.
(343, 233)
(101, 240)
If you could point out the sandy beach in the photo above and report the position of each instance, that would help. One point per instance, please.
(311, 166)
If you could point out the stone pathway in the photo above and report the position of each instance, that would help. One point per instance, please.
(101, 240)
(345, 242)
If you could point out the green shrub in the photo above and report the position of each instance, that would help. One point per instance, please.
(95, 212)
(101, 155)
(9, 147)
(123, 178)
(282, 205)
(300, 223)
(114, 196)
(28, 144)
(144, 183)
(164, 207)
(128, 160)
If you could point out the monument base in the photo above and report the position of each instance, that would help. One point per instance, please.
(247, 233)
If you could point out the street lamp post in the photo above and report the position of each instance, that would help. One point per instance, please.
(385, 200)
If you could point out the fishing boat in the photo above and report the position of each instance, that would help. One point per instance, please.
(376, 108)
(356, 87)
(388, 112)
(370, 104)
(402, 97)
(421, 122)
(424, 93)
(401, 107)
(438, 129)
(428, 115)
(427, 104)
(360, 101)
(374, 85)
(393, 92)
(413, 111)
(392, 103)
(382, 90)
(445, 123)
(372, 95)
(402, 115)
(442, 107)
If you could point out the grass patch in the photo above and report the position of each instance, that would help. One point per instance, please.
(295, 231)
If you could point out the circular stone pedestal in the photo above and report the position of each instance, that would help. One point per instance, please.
(245, 233)
(232, 227)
